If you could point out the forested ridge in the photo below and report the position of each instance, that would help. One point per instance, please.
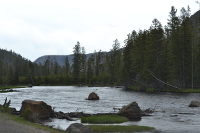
(160, 57)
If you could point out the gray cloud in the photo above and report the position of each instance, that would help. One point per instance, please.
(48, 27)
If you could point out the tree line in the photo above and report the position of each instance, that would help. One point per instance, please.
(159, 57)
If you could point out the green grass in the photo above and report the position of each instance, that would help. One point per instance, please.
(4, 89)
(190, 90)
(150, 89)
(183, 90)
(5, 109)
(135, 88)
(104, 119)
(119, 128)
(22, 120)
(9, 87)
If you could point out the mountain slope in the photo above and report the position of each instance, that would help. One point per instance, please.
(59, 58)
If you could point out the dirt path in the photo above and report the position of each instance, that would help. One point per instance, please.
(7, 125)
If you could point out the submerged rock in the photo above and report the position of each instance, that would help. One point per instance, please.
(131, 111)
(194, 104)
(78, 128)
(35, 110)
(93, 96)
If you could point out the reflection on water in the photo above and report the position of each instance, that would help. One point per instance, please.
(172, 111)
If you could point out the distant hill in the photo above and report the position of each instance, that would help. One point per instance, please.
(195, 18)
(10, 58)
(10, 62)
(59, 58)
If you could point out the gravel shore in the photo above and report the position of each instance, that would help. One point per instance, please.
(7, 125)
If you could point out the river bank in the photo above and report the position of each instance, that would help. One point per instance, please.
(13, 124)
(172, 90)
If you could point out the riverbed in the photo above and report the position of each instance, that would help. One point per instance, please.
(172, 114)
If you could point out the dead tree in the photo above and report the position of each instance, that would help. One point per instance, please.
(6, 104)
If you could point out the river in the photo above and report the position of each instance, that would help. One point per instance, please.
(172, 114)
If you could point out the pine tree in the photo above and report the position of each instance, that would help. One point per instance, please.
(175, 63)
(115, 57)
(126, 73)
(154, 54)
(1, 72)
(83, 65)
(56, 68)
(89, 71)
(67, 66)
(76, 63)
(9, 77)
(138, 56)
(186, 43)
(46, 67)
(180, 48)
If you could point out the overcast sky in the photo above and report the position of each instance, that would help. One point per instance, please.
(33, 28)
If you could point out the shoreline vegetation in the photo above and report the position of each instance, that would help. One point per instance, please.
(4, 89)
(104, 119)
(172, 90)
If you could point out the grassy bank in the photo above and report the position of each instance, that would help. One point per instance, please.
(4, 89)
(21, 120)
(135, 88)
(175, 90)
(118, 128)
(110, 119)
(10, 87)
(104, 119)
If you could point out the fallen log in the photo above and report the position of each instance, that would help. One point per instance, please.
(61, 115)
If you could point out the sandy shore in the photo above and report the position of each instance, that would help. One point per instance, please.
(7, 125)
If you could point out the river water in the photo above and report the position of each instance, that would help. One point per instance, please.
(172, 114)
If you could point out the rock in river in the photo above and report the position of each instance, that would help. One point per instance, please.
(78, 128)
(35, 110)
(131, 111)
(93, 96)
(194, 104)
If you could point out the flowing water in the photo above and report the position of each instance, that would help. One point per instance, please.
(172, 112)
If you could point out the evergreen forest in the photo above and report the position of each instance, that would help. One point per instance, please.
(160, 57)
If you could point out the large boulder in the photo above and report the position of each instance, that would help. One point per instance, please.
(131, 111)
(78, 128)
(93, 96)
(35, 110)
(194, 104)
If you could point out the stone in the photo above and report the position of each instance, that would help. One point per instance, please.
(35, 110)
(93, 96)
(132, 111)
(78, 128)
(194, 104)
